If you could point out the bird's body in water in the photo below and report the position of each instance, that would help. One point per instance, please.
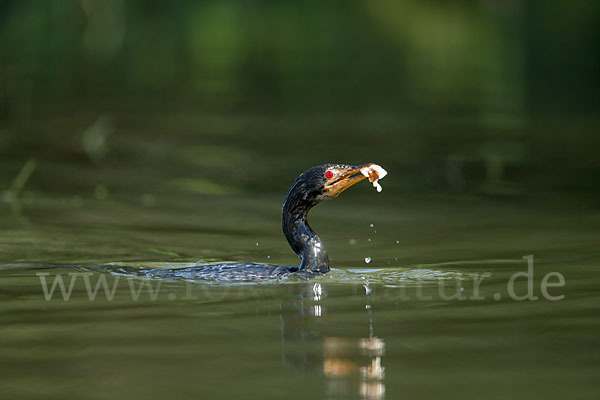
(311, 187)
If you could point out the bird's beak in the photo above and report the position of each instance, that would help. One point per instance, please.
(348, 178)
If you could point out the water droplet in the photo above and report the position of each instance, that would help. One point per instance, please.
(367, 259)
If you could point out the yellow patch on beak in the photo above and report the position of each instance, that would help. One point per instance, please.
(339, 183)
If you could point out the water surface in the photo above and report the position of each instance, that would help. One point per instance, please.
(405, 324)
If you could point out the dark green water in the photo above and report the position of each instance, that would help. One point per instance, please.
(409, 323)
(148, 134)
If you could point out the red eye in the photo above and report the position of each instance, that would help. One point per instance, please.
(328, 174)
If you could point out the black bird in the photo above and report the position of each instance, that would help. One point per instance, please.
(311, 187)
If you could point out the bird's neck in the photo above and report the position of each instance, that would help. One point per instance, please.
(309, 248)
(303, 240)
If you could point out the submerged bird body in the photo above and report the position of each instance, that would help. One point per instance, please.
(227, 272)
(311, 187)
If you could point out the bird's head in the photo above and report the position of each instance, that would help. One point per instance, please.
(328, 181)
(318, 183)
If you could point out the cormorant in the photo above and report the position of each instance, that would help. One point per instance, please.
(311, 187)
(318, 183)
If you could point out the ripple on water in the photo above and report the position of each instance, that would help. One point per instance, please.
(392, 276)
(193, 271)
(386, 276)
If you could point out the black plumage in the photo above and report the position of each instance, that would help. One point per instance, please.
(311, 187)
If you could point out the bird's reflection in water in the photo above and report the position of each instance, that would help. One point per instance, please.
(351, 365)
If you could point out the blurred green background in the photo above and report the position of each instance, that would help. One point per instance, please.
(170, 131)
(109, 108)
